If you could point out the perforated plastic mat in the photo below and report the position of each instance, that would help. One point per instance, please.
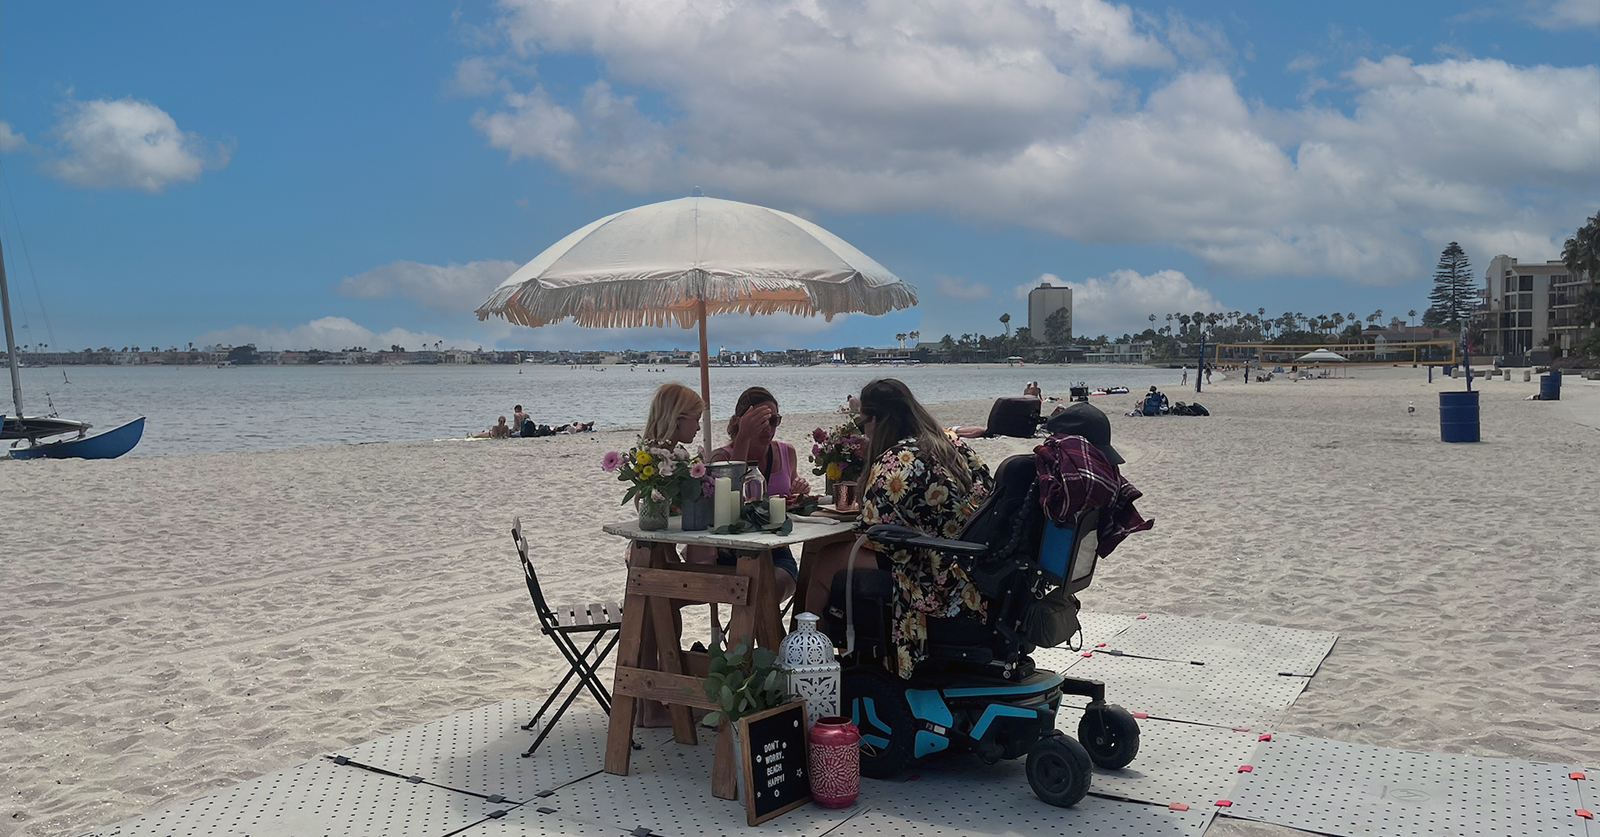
(962, 796)
(1177, 762)
(538, 821)
(480, 751)
(1208, 694)
(1355, 790)
(668, 791)
(315, 798)
(1215, 642)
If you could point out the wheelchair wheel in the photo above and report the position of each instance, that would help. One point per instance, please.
(1059, 770)
(1110, 734)
(877, 706)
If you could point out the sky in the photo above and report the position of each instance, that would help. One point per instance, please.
(325, 175)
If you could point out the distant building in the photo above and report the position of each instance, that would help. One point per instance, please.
(1044, 301)
(1121, 353)
(1529, 307)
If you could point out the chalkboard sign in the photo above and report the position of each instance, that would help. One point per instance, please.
(772, 754)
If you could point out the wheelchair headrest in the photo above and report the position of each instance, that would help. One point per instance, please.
(1013, 487)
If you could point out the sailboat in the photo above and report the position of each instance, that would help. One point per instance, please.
(32, 429)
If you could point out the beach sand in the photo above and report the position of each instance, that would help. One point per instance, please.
(178, 624)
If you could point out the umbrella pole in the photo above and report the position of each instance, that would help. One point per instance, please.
(705, 378)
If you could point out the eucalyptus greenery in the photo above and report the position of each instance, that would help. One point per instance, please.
(743, 682)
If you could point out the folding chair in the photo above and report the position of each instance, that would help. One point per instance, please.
(565, 625)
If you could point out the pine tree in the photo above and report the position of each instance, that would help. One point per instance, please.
(1452, 295)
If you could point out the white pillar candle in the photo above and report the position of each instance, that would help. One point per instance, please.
(775, 509)
(721, 508)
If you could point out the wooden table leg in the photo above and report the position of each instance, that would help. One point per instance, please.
(619, 735)
(723, 782)
(669, 658)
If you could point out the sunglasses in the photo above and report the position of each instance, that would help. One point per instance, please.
(775, 421)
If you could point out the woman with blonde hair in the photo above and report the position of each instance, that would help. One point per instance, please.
(918, 476)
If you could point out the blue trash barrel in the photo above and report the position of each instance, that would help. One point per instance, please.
(1458, 416)
(1550, 386)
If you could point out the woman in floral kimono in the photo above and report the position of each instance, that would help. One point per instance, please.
(918, 476)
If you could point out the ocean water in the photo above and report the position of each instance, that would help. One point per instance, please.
(203, 409)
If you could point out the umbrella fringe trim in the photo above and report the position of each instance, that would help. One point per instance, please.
(655, 302)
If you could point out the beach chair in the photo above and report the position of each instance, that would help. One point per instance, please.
(566, 626)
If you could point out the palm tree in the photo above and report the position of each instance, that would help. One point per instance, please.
(1005, 320)
(902, 338)
(1152, 322)
(1413, 315)
(914, 337)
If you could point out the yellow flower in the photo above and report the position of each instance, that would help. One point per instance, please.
(896, 487)
(936, 495)
(642, 457)
(834, 471)
(907, 457)
(647, 472)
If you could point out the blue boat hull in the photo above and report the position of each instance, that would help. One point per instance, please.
(108, 445)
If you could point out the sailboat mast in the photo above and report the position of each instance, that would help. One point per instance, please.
(11, 342)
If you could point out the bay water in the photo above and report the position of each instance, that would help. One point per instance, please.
(204, 409)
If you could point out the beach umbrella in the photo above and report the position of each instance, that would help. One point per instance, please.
(680, 261)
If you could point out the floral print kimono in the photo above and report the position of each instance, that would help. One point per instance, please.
(909, 488)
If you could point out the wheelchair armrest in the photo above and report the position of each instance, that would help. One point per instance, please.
(889, 534)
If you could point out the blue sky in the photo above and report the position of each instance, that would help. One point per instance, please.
(302, 174)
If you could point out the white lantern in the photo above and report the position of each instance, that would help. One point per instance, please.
(812, 673)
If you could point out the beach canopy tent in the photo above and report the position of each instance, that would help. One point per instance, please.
(1322, 356)
(682, 260)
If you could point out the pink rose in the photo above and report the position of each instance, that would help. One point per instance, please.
(697, 470)
(820, 435)
(610, 461)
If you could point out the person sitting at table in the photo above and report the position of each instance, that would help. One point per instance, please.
(922, 477)
(750, 439)
(673, 419)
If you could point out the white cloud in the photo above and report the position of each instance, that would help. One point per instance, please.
(330, 334)
(452, 288)
(1026, 112)
(1021, 291)
(1563, 14)
(11, 140)
(128, 144)
(959, 287)
(1123, 300)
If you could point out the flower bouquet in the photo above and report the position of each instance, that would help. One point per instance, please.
(839, 454)
(659, 477)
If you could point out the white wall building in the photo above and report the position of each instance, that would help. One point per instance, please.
(1044, 301)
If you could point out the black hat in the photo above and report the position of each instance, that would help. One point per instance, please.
(1087, 421)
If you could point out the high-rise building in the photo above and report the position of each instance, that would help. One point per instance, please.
(1044, 301)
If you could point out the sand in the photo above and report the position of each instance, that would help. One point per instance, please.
(178, 624)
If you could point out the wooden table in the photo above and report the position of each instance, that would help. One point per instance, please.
(662, 582)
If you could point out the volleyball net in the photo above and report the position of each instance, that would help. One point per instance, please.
(1353, 354)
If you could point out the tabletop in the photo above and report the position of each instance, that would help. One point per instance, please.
(805, 529)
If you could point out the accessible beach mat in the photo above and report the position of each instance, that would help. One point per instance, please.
(1218, 695)
(314, 798)
(1191, 764)
(480, 751)
(1213, 641)
(1357, 790)
(961, 796)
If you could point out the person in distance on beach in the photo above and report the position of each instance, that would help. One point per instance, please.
(922, 477)
(1033, 389)
(519, 421)
(501, 430)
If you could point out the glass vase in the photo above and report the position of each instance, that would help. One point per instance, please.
(653, 513)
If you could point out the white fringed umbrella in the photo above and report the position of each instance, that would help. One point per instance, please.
(681, 260)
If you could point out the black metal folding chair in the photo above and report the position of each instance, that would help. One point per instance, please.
(565, 625)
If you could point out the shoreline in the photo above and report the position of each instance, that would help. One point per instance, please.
(181, 623)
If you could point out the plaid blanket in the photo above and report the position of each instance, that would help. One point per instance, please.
(1075, 476)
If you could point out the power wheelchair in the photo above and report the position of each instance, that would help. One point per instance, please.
(978, 690)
